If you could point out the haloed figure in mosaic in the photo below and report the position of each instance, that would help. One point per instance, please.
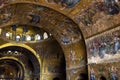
(94, 50)
(92, 75)
(67, 3)
(116, 45)
(114, 75)
(102, 50)
(34, 18)
(112, 7)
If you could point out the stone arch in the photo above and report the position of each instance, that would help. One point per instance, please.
(19, 64)
(12, 58)
(35, 60)
(67, 29)
(23, 46)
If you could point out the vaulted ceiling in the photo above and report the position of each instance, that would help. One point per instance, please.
(85, 14)
(68, 22)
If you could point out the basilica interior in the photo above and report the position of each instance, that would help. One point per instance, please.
(59, 39)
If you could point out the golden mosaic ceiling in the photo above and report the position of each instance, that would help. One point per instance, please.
(84, 14)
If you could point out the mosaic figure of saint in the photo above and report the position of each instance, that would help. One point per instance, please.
(34, 18)
(112, 7)
(116, 46)
(114, 75)
(65, 39)
(64, 3)
(109, 2)
(92, 75)
(69, 3)
(94, 50)
(102, 50)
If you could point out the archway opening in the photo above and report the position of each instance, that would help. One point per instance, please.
(11, 69)
(28, 63)
(83, 76)
(56, 78)
(102, 78)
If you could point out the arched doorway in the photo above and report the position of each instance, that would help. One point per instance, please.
(26, 66)
(102, 78)
(11, 69)
(56, 78)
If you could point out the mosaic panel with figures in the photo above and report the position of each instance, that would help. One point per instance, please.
(104, 47)
(107, 71)
(98, 16)
(65, 4)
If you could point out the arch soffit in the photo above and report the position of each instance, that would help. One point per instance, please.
(76, 14)
(23, 46)
(58, 25)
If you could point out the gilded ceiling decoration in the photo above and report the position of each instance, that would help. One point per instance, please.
(98, 16)
(59, 25)
(75, 20)
(89, 15)
(104, 47)
(62, 28)
(65, 4)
